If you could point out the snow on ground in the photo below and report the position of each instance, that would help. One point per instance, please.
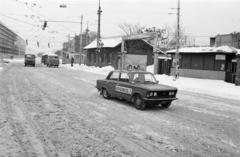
(93, 69)
(205, 86)
(15, 60)
(217, 88)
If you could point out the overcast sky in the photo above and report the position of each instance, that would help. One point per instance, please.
(200, 18)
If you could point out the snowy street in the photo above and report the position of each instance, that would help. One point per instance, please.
(50, 112)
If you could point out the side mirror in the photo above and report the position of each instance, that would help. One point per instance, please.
(157, 82)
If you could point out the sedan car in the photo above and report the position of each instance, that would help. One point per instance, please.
(139, 87)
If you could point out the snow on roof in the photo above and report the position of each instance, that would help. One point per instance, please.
(107, 42)
(222, 49)
(238, 51)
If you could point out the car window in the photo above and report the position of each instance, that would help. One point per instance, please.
(114, 76)
(53, 57)
(136, 78)
(29, 56)
(149, 78)
(124, 77)
(143, 78)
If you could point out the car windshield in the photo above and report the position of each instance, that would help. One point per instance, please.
(144, 78)
(29, 56)
(53, 57)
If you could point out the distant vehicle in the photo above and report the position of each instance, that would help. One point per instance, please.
(29, 60)
(139, 87)
(44, 59)
(52, 60)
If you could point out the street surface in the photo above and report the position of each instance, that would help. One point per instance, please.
(51, 112)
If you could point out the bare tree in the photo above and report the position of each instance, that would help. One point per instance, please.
(131, 29)
(185, 40)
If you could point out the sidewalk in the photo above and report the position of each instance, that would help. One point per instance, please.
(216, 88)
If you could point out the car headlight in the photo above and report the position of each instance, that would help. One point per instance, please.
(151, 93)
(171, 93)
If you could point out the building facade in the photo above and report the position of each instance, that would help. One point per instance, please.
(10, 43)
(74, 49)
(232, 39)
(110, 52)
(207, 62)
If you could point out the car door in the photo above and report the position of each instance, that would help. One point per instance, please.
(123, 87)
(112, 82)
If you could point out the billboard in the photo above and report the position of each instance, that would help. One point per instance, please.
(138, 62)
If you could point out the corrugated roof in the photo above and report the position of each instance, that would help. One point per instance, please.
(107, 42)
(221, 49)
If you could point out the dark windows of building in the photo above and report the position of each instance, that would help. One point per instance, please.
(186, 61)
(197, 61)
(209, 62)
(102, 57)
(220, 62)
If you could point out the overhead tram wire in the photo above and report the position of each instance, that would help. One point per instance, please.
(18, 20)
(41, 15)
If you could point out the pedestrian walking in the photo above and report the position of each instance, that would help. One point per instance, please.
(72, 61)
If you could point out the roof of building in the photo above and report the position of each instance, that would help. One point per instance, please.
(220, 49)
(107, 43)
(112, 42)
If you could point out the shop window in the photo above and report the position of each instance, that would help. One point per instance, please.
(197, 61)
(185, 61)
(220, 62)
(208, 62)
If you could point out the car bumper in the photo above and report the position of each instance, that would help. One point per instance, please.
(158, 100)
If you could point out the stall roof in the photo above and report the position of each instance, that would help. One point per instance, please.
(221, 49)
(107, 42)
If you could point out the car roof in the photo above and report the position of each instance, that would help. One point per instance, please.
(52, 55)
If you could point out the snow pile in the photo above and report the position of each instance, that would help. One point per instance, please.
(15, 60)
(205, 86)
(92, 69)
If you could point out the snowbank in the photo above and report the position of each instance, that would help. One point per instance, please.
(15, 60)
(204, 86)
(103, 70)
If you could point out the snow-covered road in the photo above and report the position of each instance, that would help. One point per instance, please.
(58, 112)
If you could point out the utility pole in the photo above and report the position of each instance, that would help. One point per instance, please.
(80, 38)
(155, 61)
(177, 42)
(99, 12)
(122, 59)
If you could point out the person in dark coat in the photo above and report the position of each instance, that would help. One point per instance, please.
(72, 61)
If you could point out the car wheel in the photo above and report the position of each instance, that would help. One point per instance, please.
(139, 102)
(105, 94)
(166, 105)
